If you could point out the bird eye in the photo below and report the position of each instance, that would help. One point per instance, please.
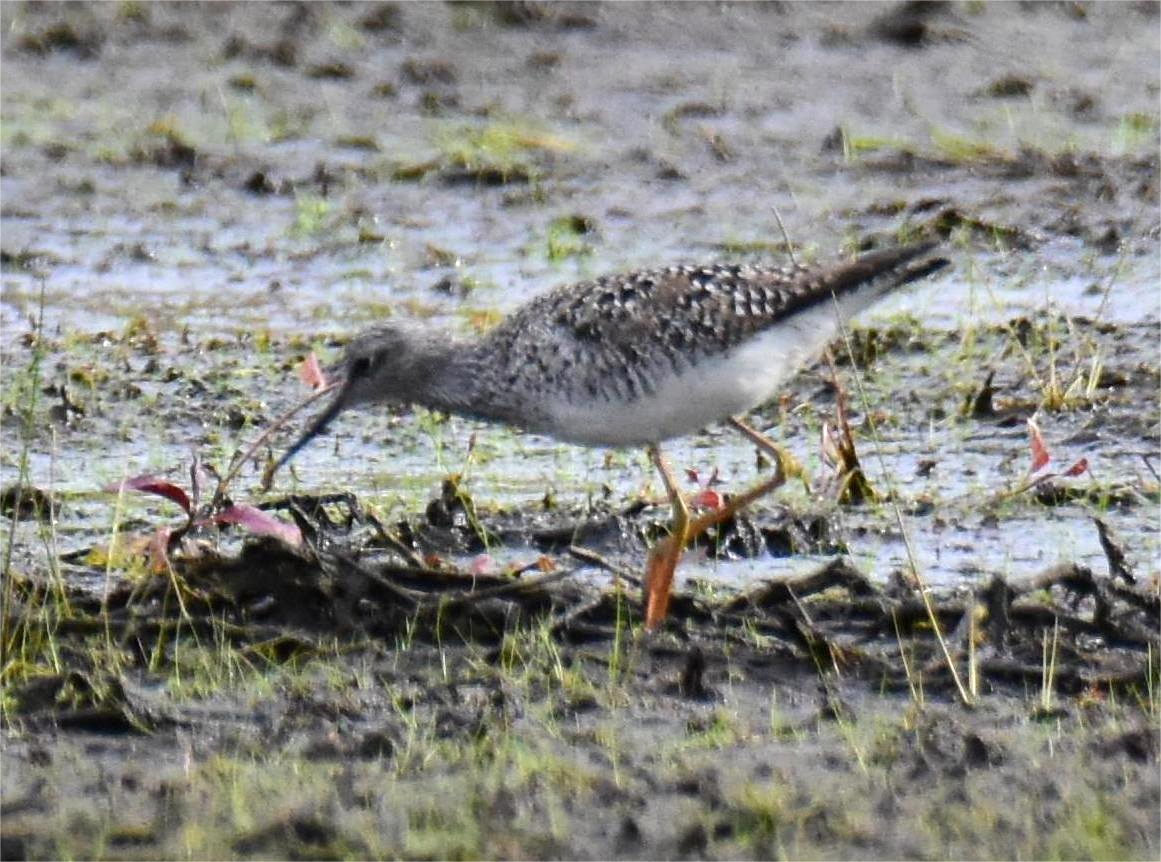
(360, 366)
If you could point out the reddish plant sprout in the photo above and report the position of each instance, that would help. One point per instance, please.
(1041, 458)
(311, 373)
(147, 484)
(249, 518)
(705, 497)
(1040, 455)
(254, 520)
(481, 564)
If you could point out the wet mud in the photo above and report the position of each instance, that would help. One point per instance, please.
(425, 640)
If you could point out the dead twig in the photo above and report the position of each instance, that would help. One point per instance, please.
(1118, 566)
(589, 556)
(516, 586)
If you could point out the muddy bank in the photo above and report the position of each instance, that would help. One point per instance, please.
(470, 682)
(439, 653)
(332, 701)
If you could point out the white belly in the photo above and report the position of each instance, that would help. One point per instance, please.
(712, 391)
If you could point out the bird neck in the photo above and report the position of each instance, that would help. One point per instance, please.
(453, 381)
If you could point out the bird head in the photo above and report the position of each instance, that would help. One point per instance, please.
(385, 364)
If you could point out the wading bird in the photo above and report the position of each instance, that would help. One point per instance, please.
(632, 360)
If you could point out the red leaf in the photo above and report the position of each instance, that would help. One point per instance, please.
(707, 499)
(1077, 468)
(692, 475)
(259, 523)
(311, 373)
(1040, 455)
(153, 485)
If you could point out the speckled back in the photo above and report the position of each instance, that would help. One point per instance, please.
(615, 337)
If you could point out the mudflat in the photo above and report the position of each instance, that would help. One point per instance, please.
(425, 640)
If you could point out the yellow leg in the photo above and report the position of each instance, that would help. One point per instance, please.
(664, 555)
(784, 460)
(784, 467)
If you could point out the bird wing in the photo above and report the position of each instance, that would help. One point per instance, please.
(627, 327)
(696, 311)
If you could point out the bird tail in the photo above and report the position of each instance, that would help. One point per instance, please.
(879, 272)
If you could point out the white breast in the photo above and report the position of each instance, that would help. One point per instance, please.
(713, 390)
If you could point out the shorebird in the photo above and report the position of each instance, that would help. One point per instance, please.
(631, 360)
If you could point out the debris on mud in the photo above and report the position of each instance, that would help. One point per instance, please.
(354, 578)
(395, 666)
(359, 593)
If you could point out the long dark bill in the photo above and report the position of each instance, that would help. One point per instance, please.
(318, 426)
